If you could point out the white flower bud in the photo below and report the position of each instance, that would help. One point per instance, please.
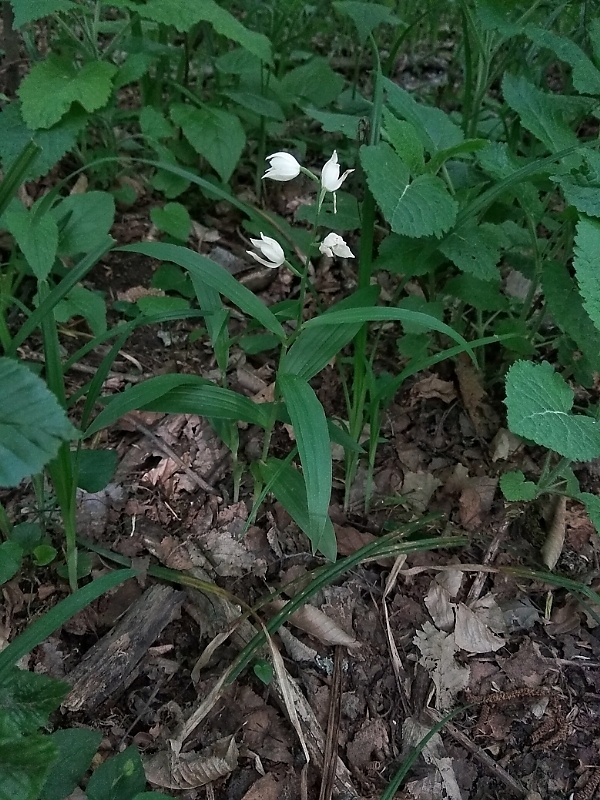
(270, 249)
(282, 167)
(333, 245)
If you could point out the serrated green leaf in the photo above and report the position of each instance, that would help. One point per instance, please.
(436, 129)
(584, 74)
(37, 237)
(154, 124)
(76, 748)
(419, 208)
(27, 699)
(592, 506)
(346, 124)
(586, 199)
(287, 484)
(314, 448)
(514, 487)
(174, 219)
(539, 405)
(587, 266)
(82, 302)
(215, 134)
(314, 81)
(212, 274)
(26, 11)
(485, 295)
(539, 113)
(53, 85)
(32, 424)
(53, 143)
(366, 16)
(24, 764)
(119, 778)
(95, 469)
(85, 220)
(135, 66)
(401, 255)
(475, 249)
(405, 140)
(11, 557)
(257, 104)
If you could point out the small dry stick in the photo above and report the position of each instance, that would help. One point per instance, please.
(330, 756)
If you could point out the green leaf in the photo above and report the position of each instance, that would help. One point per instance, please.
(405, 140)
(419, 208)
(32, 424)
(37, 237)
(539, 404)
(42, 627)
(215, 134)
(539, 113)
(52, 86)
(592, 506)
(346, 124)
(44, 554)
(314, 81)
(84, 221)
(401, 255)
(380, 314)
(585, 76)
(514, 487)
(76, 748)
(587, 266)
(484, 295)
(287, 484)
(174, 219)
(366, 16)
(82, 302)
(96, 469)
(314, 448)
(150, 305)
(475, 249)
(257, 104)
(312, 351)
(135, 66)
(53, 143)
(26, 11)
(24, 763)
(27, 699)
(119, 778)
(263, 671)
(566, 306)
(434, 126)
(27, 535)
(212, 274)
(11, 557)
(154, 124)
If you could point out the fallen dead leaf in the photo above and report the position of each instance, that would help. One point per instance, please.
(265, 788)
(171, 770)
(432, 387)
(437, 650)
(314, 622)
(419, 488)
(472, 634)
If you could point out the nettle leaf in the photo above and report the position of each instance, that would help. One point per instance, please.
(475, 249)
(82, 302)
(366, 16)
(485, 295)
(36, 236)
(346, 124)
(53, 85)
(53, 143)
(436, 129)
(539, 404)
(215, 134)
(422, 207)
(539, 113)
(174, 219)
(403, 137)
(84, 221)
(27, 699)
(76, 748)
(26, 11)
(24, 763)
(11, 557)
(314, 81)
(118, 778)
(514, 487)
(32, 423)
(587, 266)
(585, 198)
(585, 76)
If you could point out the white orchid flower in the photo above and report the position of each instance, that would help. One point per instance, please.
(282, 167)
(333, 245)
(270, 249)
(331, 180)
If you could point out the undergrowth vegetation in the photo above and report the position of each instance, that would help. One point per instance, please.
(478, 199)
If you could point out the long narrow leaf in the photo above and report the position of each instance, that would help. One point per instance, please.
(314, 449)
(214, 275)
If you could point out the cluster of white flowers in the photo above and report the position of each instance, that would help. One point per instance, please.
(284, 167)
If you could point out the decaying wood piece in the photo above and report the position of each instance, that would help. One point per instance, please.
(110, 665)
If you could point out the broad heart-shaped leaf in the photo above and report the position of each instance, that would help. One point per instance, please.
(185, 14)
(475, 249)
(76, 748)
(366, 16)
(539, 404)
(314, 81)
(27, 699)
(53, 143)
(174, 219)
(84, 221)
(422, 207)
(11, 557)
(181, 394)
(53, 85)
(514, 487)
(37, 237)
(119, 778)
(287, 484)
(436, 129)
(31, 10)
(587, 266)
(584, 74)
(314, 448)
(212, 274)
(32, 423)
(314, 349)
(566, 306)
(24, 763)
(539, 113)
(215, 134)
